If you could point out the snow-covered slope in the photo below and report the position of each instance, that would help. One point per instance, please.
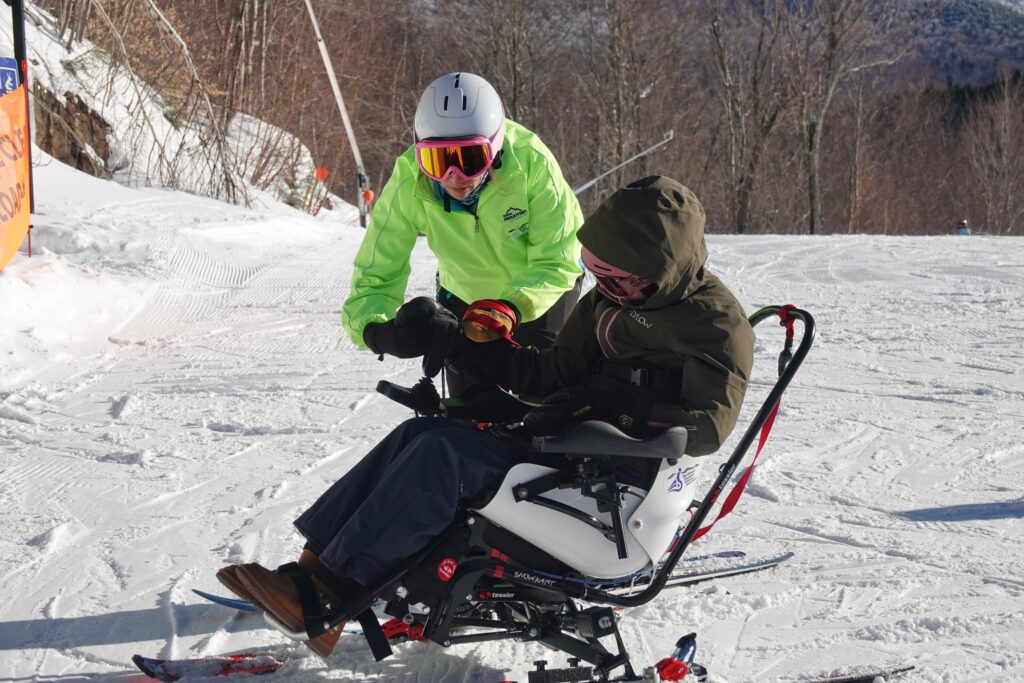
(175, 387)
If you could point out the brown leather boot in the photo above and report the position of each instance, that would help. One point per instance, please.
(228, 576)
(279, 596)
(324, 643)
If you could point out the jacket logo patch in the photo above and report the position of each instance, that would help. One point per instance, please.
(640, 319)
(518, 230)
(513, 213)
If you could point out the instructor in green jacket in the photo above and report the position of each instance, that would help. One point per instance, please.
(496, 212)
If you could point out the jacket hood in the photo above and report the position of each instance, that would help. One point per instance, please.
(653, 227)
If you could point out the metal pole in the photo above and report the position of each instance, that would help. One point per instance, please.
(590, 183)
(21, 57)
(360, 170)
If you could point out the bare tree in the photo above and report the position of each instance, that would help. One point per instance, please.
(624, 86)
(908, 179)
(72, 19)
(995, 147)
(827, 41)
(598, 80)
(173, 138)
(513, 48)
(853, 169)
(214, 134)
(744, 41)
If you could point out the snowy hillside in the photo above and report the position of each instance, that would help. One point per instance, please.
(126, 130)
(972, 42)
(175, 387)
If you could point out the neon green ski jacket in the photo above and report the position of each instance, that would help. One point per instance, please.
(520, 246)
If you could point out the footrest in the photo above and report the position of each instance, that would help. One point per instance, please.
(573, 673)
(294, 635)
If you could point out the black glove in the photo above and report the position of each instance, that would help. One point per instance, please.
(624, 405)
(411, 333)
(486, 363)
(445, 341)
(388, 338)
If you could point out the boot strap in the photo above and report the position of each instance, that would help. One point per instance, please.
(309, 599)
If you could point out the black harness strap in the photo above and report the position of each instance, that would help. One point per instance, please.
(665, 383)
(374, 634)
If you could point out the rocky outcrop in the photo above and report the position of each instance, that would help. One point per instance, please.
(71, 131)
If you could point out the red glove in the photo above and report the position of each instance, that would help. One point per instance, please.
(489, 319)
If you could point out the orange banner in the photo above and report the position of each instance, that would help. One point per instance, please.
(14, 173)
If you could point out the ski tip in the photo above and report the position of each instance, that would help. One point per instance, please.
(209, 666)
(233, 603)
(146, 666)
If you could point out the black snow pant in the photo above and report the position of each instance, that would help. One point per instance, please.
(402, 494)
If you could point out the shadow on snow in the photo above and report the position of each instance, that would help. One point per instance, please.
(965, 513)
(414, 662)
(134, 626)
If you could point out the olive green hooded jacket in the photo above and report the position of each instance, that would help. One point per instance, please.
(692, 325)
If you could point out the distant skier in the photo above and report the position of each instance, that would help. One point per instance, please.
(660, 341)
(962, 228)
(496, 211)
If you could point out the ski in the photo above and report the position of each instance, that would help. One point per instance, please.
(215, 665)
(692, 578)
(676, 580)
(719, 555)
(234, 603)
(697, 577)
(878, 676)
(246, 606)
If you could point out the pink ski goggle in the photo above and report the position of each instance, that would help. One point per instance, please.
(468, 157)
(618, 285)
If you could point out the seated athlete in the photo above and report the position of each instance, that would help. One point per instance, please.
(659, 342)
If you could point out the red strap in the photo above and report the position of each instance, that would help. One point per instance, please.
(737, 491)
(486, 321)
(785, 320)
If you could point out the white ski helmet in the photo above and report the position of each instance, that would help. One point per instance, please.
(460, 105)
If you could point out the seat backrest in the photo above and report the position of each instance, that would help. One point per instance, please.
(655, 521)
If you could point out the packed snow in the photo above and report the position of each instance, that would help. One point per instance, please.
(175, 387)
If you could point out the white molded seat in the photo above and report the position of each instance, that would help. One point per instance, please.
(650, 519)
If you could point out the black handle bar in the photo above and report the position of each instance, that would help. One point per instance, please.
(730, 465)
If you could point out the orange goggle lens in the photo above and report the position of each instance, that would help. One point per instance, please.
(469, 160)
